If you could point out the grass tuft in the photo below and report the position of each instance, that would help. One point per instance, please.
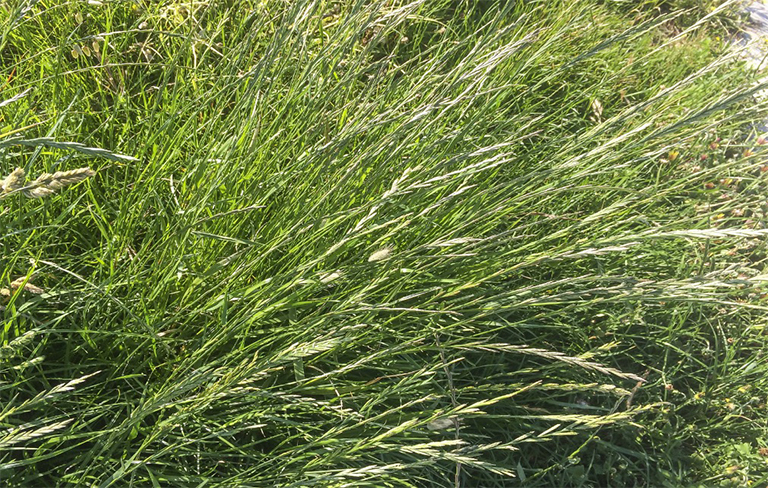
(381, 243)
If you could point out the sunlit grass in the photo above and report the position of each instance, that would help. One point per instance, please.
(430, 243)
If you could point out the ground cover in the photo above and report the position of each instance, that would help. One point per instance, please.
(382, 243)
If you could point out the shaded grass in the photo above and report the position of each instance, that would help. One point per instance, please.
(213, 314)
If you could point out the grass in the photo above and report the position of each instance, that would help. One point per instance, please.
(382, 243)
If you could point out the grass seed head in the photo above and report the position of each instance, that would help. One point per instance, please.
(14, 181)
(19, 283)
(65, 178)
(46, 184)
(329, 277)
(38, 192)
(442, 423)
(380, 255)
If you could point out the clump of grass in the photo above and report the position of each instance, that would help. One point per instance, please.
(45, 185)
(409, 243)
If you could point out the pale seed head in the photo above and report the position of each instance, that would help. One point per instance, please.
(14, 181)
(38, 192)
(380, 255)
(18, 283)
(44, 179)
(329, 277)
(60, 179)
(47, 183)
(442, 424)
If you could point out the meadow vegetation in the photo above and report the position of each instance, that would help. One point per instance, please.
(381, 243)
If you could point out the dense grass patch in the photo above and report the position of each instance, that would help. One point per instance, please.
(382, 243)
